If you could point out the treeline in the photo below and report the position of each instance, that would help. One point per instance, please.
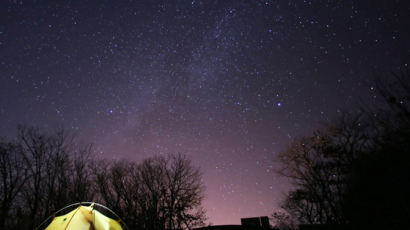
(355, 172)
(41, 173)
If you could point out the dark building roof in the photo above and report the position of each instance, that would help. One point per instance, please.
(252, 223)
(261, 222)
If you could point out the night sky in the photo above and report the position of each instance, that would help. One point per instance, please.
(229, 83)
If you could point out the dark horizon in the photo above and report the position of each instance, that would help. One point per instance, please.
(228, 83)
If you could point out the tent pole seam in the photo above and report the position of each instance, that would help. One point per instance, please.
(71, 218)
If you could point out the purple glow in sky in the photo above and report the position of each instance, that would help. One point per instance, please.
(198, 77)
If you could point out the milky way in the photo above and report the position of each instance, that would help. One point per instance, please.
(228, 83)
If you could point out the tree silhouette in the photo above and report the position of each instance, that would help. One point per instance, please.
(13, 176)
(355, 171)
(39, 173)
(42, 172)
(163, 192)
(318, 166)
(377, 193)
(283, 221)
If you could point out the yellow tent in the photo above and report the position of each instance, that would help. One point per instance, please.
(84, 218)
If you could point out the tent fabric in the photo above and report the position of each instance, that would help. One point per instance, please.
(84, 218)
